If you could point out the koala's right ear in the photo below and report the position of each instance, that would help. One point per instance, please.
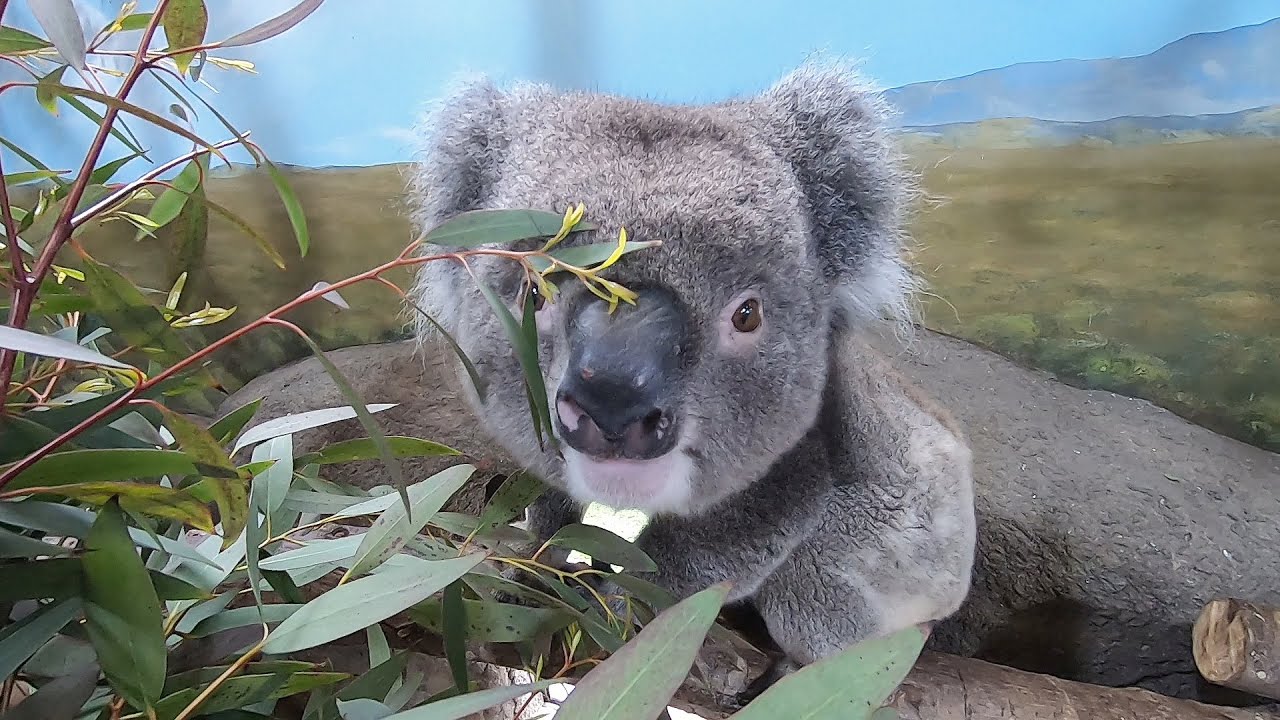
(460, 141)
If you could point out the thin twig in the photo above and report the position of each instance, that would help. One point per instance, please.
(26, 288)
(146, 179)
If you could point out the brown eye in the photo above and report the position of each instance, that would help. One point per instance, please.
(747, 317)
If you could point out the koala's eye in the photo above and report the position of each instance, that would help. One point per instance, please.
(747, 317)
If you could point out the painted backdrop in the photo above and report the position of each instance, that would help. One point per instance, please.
(1101, 175)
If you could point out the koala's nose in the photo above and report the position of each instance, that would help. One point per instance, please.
(605, 418)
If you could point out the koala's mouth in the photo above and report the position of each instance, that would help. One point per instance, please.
(660, 484)
(637, 465)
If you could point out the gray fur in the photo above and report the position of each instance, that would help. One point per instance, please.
(809, 473)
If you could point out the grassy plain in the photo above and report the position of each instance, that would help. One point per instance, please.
(1153, 271)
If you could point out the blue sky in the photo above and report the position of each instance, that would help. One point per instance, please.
(344, 87)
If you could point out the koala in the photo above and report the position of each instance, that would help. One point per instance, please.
(737, 402)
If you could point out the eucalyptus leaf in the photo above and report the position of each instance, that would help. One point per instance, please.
(184, 23)
(122, 611)
(603, 545)
(59, 699)
(144, 498)
(355, 605)
(290, 424)
(490, 621)
(68, 520)
(60, 22)
(13, 545)
(19, 42)
(849, 685)
(639, 679)
(459, 707)
(48, 346)
(390, 531)
(274, 26)
(228, 426)
(20, 640)
(483, 227)
(102, 465)
(367, 448)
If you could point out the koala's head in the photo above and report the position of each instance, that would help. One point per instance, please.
(780, 219)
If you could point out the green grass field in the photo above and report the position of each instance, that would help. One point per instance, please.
(1152, 271)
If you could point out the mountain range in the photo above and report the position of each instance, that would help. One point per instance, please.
(1212, 75)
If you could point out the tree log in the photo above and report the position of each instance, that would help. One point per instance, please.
(1237, 645)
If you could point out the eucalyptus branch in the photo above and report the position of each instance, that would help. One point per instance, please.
(147, 179)
(270, 318)
(26, 287)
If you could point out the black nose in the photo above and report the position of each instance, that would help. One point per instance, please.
(610, 417)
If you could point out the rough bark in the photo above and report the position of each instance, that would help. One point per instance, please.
(1237, 644)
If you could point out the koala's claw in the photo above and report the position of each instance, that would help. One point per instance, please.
(778, 669)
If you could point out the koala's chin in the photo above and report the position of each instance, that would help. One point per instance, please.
(660, 485)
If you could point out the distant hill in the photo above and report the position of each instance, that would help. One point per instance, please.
(1031, 132)
(1202, 74)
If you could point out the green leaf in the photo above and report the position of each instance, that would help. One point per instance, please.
(152, 500)
(489, 621)
(243, 617)
(169, 204)
(13, 545)
(248, 689)
(169, 587)
(390, 531)
(297, 218)
(366, 418)
(59, 699)
(361, 709)
(528, 353)
(290, 424)
(466, 706)
(18, 42)
(184, 23)
(70, 521)
(274, 26)
(103, 174)
(366, 449)
(12, 338)
(512, 498)
(20, 640)
(137, 320)
(135, 21)
(122, 610)
(228, 426)
(603, 545)
(455, 635)
(57, 578)
(482, 227)
(59, 21)
(142, 113)
(376, 683)
(22, 178)
(98, 465)
(587, 256)
(639, 679)
(267, 248)
(47, 90)
(358, 604)
(850, 685)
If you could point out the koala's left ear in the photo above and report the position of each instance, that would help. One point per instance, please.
(833, 131)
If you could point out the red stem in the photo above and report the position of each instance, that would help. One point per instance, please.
(26, 288)
(270, 318)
